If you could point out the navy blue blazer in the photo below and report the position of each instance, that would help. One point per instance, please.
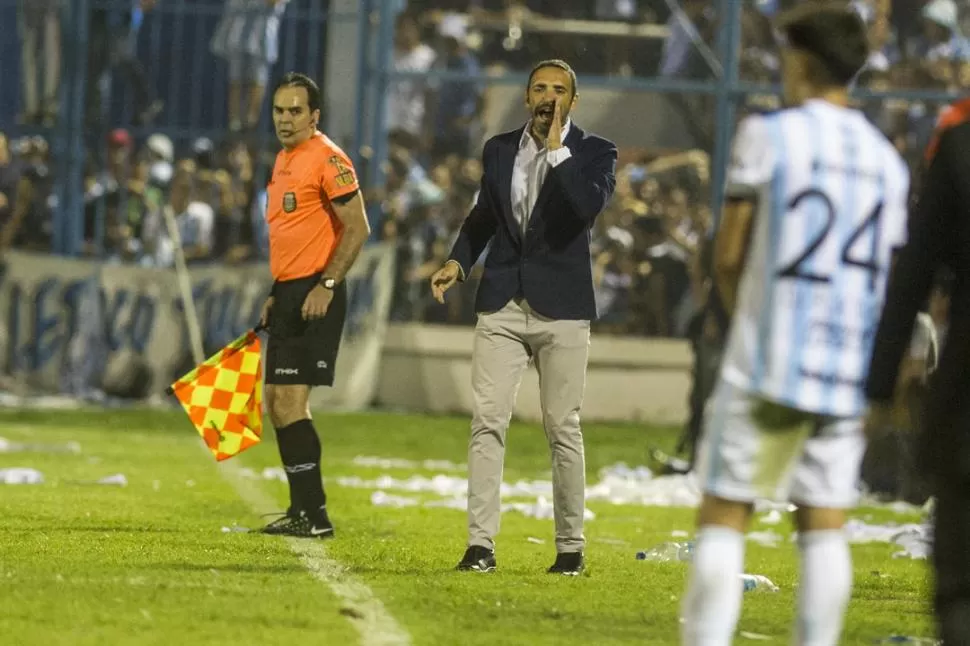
(552, 268)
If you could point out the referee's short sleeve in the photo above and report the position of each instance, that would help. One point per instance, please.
(339, 178)
(753, 156)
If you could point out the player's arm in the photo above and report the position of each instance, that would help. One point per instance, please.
(341, 188)
(751, 167)
(911, 279)
(731, 248)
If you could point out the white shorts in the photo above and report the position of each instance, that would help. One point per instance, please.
(806, 459)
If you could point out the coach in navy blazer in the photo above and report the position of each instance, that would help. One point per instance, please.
(543, 186)
(549, 265)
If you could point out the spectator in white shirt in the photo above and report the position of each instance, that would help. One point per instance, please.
(407, 98)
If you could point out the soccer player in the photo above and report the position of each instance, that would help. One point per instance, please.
(938, 241)
(822, 194)
(317, 226)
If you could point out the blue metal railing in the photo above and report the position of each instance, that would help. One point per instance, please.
(174, 40)
(725, 109)
(727, 89)
(363, 81)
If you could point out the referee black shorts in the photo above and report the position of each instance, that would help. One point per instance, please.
(302, 352)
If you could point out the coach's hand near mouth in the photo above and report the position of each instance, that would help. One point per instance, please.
(554, 138)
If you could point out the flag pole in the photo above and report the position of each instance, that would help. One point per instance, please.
(185, 287)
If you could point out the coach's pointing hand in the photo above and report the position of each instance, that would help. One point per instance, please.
(317, 303)
(443, 279)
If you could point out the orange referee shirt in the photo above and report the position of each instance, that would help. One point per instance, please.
(303, 228)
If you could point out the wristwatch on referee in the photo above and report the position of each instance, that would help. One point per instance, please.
(328, 283)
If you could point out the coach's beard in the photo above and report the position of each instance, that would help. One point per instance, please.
(542, 119)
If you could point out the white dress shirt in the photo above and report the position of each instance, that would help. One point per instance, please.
(529, 172)
(532, 164)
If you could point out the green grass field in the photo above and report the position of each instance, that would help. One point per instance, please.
(149, 563)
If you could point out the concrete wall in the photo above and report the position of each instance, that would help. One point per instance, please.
(428, 368)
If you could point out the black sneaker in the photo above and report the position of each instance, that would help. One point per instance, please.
(283, 520)
(300, 526)
(477, 559)
(568, 564)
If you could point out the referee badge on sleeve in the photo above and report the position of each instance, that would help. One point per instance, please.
(289, 202)
(343, 176)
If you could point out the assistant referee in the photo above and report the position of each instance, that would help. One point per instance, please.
(317, 226)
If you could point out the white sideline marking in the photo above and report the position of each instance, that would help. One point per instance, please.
(364, 610)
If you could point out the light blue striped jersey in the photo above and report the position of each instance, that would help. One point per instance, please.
(830, 193)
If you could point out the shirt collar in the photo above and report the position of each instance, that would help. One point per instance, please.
(526, 137)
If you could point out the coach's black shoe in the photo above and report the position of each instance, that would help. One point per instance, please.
(568, 564)
(300, 526)
(477, 559)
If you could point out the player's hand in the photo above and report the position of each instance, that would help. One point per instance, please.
(554, 138)
(443, 279)
(879, 420)
(317, 303)
(264, 315)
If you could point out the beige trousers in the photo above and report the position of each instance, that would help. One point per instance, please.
(504, 342)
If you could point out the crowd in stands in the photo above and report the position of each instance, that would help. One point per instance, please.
(647, 246)
(210, 191)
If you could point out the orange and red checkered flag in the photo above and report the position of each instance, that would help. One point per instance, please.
(223, 397)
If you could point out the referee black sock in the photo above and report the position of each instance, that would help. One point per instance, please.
(300, 451)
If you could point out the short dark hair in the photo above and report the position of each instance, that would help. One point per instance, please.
(833, 34)
(296, 79)
(557, 63)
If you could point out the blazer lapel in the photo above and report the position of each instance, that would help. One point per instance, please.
(572, 139)
(506, 163)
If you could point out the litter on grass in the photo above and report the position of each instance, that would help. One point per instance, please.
(383, 499)
(374, 462)
(618, 484)
(916, 540)
(269, 473)
(755, 636)
(116, 480)
(21, 476)
(7, 446)
(24, 476)
(906, 639)
(766, 539)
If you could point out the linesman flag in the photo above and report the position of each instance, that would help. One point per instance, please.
(223, 397)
